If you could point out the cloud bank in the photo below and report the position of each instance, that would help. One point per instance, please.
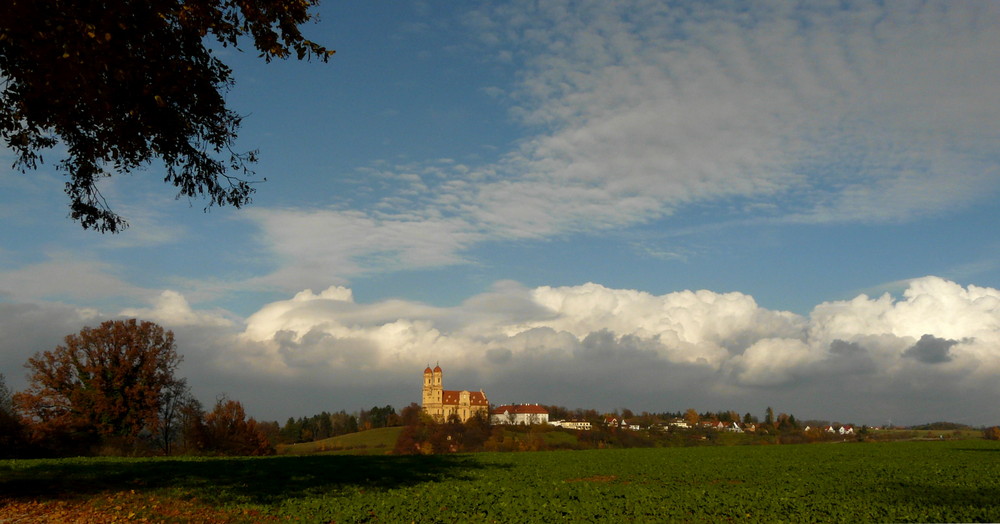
(933, 353)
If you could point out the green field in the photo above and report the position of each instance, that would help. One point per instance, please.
(944, 481)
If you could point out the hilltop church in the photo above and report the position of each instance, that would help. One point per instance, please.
(442, 403)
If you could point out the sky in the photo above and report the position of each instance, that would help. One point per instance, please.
(644, 205)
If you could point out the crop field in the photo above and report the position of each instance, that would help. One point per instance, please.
(949, 481)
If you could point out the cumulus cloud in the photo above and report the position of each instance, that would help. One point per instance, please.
(590, 345)
(931, 350)
(865, 359)
(172, 309)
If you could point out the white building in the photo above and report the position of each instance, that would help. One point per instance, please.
(580, 425)
(519, 414)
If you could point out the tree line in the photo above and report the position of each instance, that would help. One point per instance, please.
(325, 425)
(113, 390)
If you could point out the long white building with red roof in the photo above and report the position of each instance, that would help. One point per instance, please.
(526, 414)
(442, 403)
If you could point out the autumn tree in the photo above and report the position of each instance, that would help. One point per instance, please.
(120, 84)
(107, 382)
(379, 417)
(11, 429)
(692, 417)
(228, 431)
(191, 421)
(175, 399)
(410, 415)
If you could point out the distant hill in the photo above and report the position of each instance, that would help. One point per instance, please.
(371, 442)
(941, 426)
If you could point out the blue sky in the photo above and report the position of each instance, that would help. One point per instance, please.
(720, 205)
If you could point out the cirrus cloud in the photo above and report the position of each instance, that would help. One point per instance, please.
(635, 112)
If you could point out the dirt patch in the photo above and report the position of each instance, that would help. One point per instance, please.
(595, 478)
(118, 507)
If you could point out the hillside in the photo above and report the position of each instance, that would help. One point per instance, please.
(371, 442)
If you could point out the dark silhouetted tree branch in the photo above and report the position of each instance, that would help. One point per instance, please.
(122, 83)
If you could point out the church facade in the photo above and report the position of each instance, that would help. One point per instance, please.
(442, 403)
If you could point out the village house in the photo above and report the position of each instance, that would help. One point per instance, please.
(579, 425)
(442, 403)
(614, 422)
(524, 414)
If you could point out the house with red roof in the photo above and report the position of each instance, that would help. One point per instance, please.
(525, 414)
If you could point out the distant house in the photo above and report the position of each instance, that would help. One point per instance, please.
(524, 414)
(679, 423)
(846, 430)
(580, 425)
(614, 422)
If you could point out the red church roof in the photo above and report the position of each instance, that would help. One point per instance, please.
(530, 409)
(476, 398)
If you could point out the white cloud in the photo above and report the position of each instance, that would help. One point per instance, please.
(320, 246)
(590, 345)
(636, 111)
(840, 106)
(931, 305)
(929, 354)
(772, 361)
(65, 275)
(172, 309)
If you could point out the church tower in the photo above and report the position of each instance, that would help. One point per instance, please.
(433, 392)
(428, 388)
(441, 404)
(438, 383)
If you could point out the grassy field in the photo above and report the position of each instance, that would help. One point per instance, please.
(928, 481)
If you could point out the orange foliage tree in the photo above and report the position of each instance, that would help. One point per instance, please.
(228, 431)
(103, 383)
